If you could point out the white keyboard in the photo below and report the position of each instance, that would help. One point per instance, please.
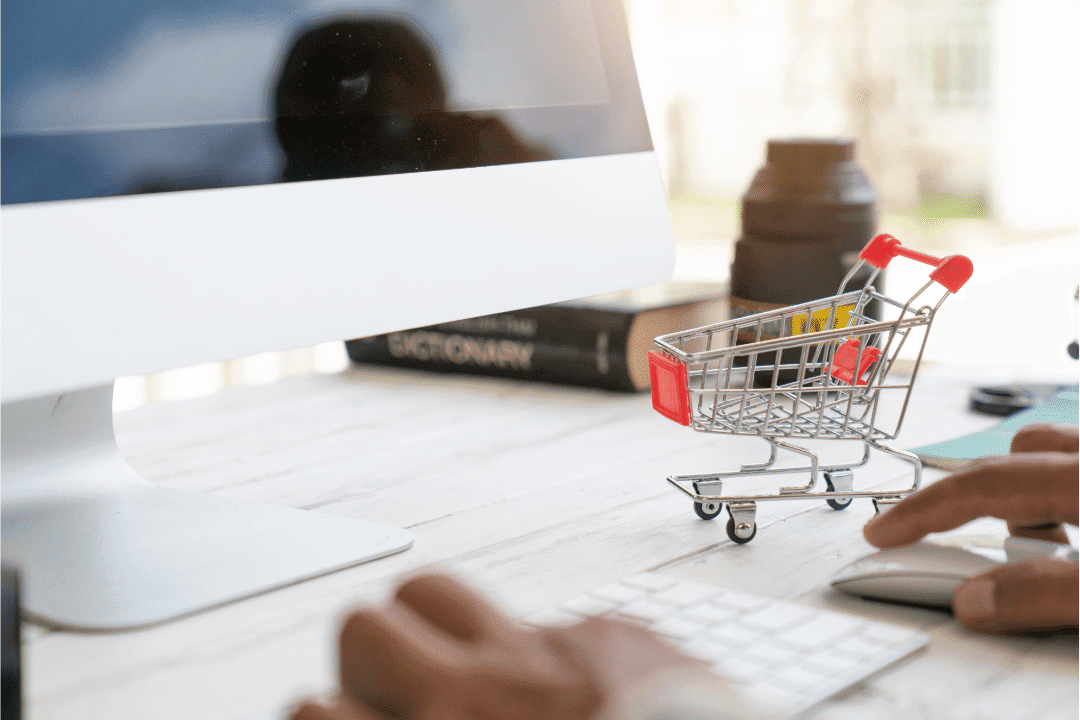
(783, 656)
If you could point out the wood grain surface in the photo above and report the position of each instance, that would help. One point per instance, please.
(534, 492)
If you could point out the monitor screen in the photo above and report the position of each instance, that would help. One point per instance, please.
(325, 170)
(186, 182)
(146, 96)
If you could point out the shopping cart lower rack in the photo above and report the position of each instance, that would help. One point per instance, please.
(817, 370)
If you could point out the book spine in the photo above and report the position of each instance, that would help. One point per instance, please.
(567, 345)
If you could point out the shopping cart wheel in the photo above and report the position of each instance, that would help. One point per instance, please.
(708, 510)
(843, 478)
(748, 530)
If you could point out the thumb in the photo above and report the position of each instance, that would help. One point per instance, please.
(1029, 596)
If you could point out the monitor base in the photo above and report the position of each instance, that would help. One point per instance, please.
(100, 548)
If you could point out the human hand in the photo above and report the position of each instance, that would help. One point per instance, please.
(1034, 489)
(440, 651)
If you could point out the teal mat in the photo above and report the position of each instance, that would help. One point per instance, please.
(1062, 407)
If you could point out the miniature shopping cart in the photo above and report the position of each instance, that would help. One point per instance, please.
(812, 371)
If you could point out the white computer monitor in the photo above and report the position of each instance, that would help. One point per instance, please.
(188, 183)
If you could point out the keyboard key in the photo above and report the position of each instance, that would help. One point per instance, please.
(858, 647)
(777, 615)
(710, 652)
(709, 614)
(647, 611)
(770, 654)
(732, 643)
(736, 633)
(619, 593)
(683, 628)
(799, 677)
(831, 661)
(827, 627)
(742, 670)
(588, 606)
(684, 594)
(739, 601)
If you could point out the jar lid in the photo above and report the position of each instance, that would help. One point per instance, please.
(811, 171)
(809, 154)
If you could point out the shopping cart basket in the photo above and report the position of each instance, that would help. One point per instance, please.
(811, 371)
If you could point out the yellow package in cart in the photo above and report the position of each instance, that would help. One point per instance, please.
(818, 319)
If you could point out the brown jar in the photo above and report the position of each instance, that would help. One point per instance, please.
(807, 214)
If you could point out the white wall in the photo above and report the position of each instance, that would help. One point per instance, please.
(1035, 117)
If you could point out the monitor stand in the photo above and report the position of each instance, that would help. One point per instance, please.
(100, 548)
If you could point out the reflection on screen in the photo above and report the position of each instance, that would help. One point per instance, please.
(155, 95)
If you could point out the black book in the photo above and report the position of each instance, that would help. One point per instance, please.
(601, 341)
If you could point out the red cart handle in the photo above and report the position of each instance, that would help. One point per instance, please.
(950, 272)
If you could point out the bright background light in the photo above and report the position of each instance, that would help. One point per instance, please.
(965, 114)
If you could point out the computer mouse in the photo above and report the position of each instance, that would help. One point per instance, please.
(928, 572)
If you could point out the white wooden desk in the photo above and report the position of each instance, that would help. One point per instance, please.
(536, 493)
